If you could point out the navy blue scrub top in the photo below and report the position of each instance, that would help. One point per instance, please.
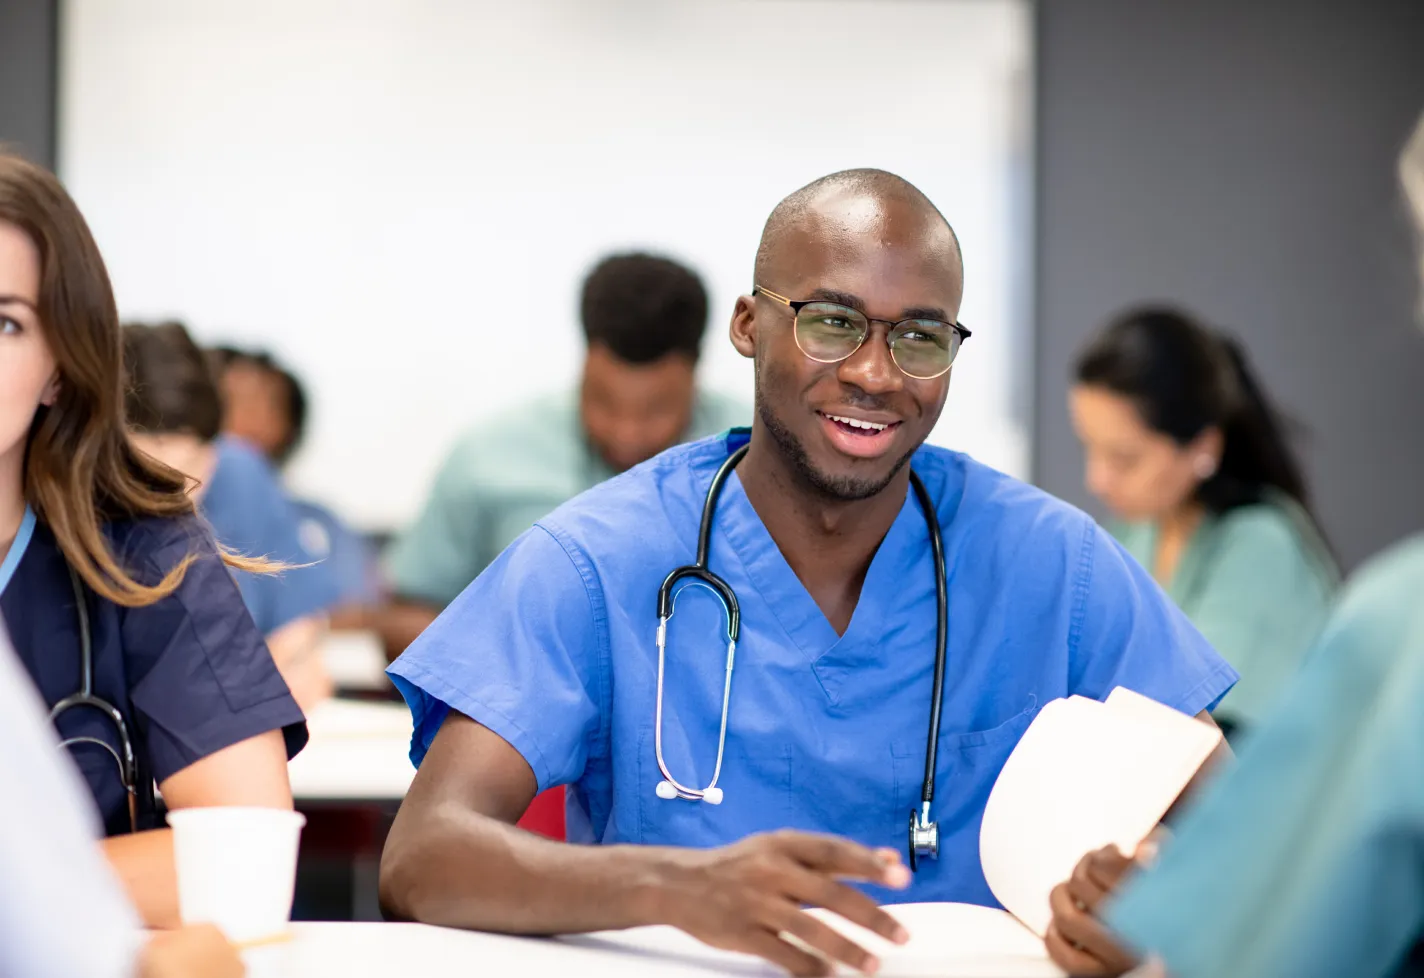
(190, 673)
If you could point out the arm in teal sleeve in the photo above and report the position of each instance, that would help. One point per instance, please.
(1260, 604)
(443, 550)
(1305, 859)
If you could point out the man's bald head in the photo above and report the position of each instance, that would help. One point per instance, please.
(848, 201)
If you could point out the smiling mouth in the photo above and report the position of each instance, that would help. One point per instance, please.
(856, 426)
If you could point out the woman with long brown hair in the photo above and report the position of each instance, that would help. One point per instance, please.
(116, 598)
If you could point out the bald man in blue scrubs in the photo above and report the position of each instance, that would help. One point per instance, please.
(545, 671)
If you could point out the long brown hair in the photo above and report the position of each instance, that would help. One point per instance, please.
(81, 471)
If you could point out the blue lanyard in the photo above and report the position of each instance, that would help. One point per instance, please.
(17, 548)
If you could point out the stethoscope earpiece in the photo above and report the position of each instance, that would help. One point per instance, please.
(666, 791)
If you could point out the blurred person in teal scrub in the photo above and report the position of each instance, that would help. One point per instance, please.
(1307, 858)
(643, 320)
(1185, 450)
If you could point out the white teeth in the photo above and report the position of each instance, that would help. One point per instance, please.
(856, 423)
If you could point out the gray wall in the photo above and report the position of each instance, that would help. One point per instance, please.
(1239, 158)
(27, 77)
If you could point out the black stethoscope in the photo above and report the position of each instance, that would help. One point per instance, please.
(923, 838)
(138, 790)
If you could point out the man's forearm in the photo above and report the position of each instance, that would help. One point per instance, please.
(460, 869)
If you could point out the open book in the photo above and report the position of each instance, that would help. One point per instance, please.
(1084, 775)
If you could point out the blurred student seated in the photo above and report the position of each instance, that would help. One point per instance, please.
(174, 414)
(643, 320)
(265, 405)
(1304, 859)
(1185, 450)
(63, 910)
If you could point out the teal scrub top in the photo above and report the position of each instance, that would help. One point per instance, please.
(504, 475)
(1257, 581)
(1307, 858)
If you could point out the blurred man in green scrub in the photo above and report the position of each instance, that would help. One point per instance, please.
(1307, 859)
(643, 319)
(1186, 451)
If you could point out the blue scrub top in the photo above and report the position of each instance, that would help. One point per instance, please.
(553, 648)
(346, 553)
(250, 513)
(190, 673)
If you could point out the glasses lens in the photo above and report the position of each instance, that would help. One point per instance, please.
(829, 332)
(924, 348)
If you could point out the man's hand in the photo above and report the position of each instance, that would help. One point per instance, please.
(744, 897)
(1076, 941)
(199, 951)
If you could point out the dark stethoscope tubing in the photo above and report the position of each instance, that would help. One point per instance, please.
(138, 790)
(923, 834)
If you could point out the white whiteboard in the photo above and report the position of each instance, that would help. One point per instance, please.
(383, 191)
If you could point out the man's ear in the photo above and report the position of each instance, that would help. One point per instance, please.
(744, 326)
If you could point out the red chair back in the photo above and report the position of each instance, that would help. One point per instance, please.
(546, 815)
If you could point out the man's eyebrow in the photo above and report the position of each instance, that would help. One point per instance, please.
(925, 312)
(844, 298)
(857, 303)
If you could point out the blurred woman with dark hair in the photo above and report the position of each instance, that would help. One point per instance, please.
(1303, 860)
(1185, 450)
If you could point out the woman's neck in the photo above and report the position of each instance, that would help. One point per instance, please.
(1174, 533)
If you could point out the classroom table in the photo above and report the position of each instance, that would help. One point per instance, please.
(381, 950)
(356, 661)
(359, 753)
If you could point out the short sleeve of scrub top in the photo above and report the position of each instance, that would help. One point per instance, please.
(251, 514)
(1303, 861)
(548, 705)
(1126, 632)
(191, 673)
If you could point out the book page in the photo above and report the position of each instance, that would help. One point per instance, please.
(1085, 774)
(950, 939)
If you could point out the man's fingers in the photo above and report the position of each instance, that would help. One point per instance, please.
(1083, 887)
(1069, 958)
(841, 857)
(1106, 867)
(828, 941)
(1083, 931)
(807, 887)
(764, 944)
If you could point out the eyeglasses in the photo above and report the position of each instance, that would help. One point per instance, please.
(829, 332)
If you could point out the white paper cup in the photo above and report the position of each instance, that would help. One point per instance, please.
(236, 868)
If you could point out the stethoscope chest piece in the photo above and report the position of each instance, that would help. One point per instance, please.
(924, 837)
(923, 841)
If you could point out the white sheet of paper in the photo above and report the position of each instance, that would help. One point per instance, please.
(1085, 774)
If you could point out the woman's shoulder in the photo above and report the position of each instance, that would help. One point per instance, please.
(158, 542)
(1277, 528)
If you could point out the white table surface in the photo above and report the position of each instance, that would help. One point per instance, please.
(355, 660)
(357, 752)
(374, 950)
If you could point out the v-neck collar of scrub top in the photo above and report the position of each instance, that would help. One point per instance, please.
(832, 656)
(18, 546)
